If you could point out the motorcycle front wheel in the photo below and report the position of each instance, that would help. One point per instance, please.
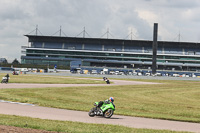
(91, 112)
(108, 113)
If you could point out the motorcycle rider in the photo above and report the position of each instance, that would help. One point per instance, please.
(7, 76)
(108, 101)
(107, 80)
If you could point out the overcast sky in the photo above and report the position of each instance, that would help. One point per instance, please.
(20, 17)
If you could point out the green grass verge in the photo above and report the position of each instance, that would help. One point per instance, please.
(172, 100)
(27, 78)
(71, 127)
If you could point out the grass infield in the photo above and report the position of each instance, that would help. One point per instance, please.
(172, 100)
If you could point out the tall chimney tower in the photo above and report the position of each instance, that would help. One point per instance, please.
(154, 48)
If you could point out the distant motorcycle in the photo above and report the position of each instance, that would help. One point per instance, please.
(4, 80)
(107, 80)
(106, 110)
(15, 73)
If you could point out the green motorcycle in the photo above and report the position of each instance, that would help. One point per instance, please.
(106, 110)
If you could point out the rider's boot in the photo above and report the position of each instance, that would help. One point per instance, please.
(96, 110)
(99, 112)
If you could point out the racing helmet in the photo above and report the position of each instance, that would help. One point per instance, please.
(111, 99)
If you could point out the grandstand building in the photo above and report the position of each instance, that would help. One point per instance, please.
(118, 53)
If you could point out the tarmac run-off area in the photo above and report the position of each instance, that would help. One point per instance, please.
(29, 110)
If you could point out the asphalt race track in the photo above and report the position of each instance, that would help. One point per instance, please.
(29, 110)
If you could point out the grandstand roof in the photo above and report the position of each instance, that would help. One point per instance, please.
(61, 39)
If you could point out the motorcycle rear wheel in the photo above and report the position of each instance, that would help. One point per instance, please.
(108, 113)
